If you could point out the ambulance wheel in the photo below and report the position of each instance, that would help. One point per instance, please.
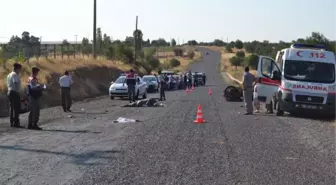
(279, 112)
(112, 97)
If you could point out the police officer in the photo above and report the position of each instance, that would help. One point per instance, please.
(189, 79)
(162, 86)
(248, 84)
(131, 83)
(14, 89)
(65, 83)
(34, 94)
(204, 78)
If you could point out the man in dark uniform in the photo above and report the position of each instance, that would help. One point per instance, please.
(204, 78)
(248, 83)
(163, 84)
(34, 94)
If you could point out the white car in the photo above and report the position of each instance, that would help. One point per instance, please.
(152, 82)
(119, 88)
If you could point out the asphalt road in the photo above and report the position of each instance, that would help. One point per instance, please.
(166, 147)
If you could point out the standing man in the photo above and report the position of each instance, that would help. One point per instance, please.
(248, 84)
(189, 79)
(131, 83)
(162, 86)
(204, 78)
(65, 82)
(14, 89)
(34, 94)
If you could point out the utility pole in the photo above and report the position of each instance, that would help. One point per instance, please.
(94, 48)
(134, 38)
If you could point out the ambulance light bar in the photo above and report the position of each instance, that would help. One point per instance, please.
(309, 46)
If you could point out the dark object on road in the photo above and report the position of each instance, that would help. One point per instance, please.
(150, 102)
(232, 93)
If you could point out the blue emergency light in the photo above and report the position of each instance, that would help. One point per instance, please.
(308, 46)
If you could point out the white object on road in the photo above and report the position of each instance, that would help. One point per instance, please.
(125, 120)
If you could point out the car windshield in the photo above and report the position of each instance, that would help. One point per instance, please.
(149, 78)
(309, 71)
(120, 80)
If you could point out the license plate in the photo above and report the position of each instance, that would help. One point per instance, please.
(305, 106)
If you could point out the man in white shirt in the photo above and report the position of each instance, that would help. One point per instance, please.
(14, 90)
(65, 82)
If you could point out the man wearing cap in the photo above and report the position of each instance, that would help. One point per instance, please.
(65, 82)
(14, 89)
(131, 82)
(34, 94)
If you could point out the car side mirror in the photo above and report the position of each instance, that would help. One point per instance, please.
(112, 82)
(276, 75)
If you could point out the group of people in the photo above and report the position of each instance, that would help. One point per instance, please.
(34, 91)
(189, 79)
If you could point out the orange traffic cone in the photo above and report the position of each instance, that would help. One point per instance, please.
(199, 117)
(192, 87)
(187, 90)
(210, 91)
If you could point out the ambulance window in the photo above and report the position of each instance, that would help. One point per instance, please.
(268, 66)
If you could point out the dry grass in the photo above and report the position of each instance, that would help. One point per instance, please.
(185, 61)
(57, 65)
(236, 72)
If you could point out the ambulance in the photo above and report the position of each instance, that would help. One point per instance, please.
(300, 79)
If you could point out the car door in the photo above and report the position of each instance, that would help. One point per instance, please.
(266, 85)
(141, 85)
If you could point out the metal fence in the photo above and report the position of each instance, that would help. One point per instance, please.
(44, 50)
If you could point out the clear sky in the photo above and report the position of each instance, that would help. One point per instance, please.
(202, 20)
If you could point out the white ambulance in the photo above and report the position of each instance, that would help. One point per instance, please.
(301, 78)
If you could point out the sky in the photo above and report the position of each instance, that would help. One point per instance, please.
(201, 20)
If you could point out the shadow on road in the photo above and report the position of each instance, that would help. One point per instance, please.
(79, 159)
(71, 131)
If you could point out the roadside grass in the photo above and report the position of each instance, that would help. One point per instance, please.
(236, 72)
(57, 65)
(185, 61)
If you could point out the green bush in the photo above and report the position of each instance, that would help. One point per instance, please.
(240, 54)
(191, 54)
(236, 61)
(174, 62)
(228, 49)
(252, 61)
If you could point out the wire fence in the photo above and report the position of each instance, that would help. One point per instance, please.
(25, 53)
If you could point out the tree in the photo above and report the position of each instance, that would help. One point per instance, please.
(240, 54)
(65, 42)
(86, 49)
(137, 35)
(192, 42)
(228, 48)
(99, 41)
(252, 61)
(174, 62)
(173, 42)
(236, 61)
(239, 44)
(218, 42)
(107, 41)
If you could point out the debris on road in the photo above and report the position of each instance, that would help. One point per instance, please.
(150, 102)
(125, 120)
